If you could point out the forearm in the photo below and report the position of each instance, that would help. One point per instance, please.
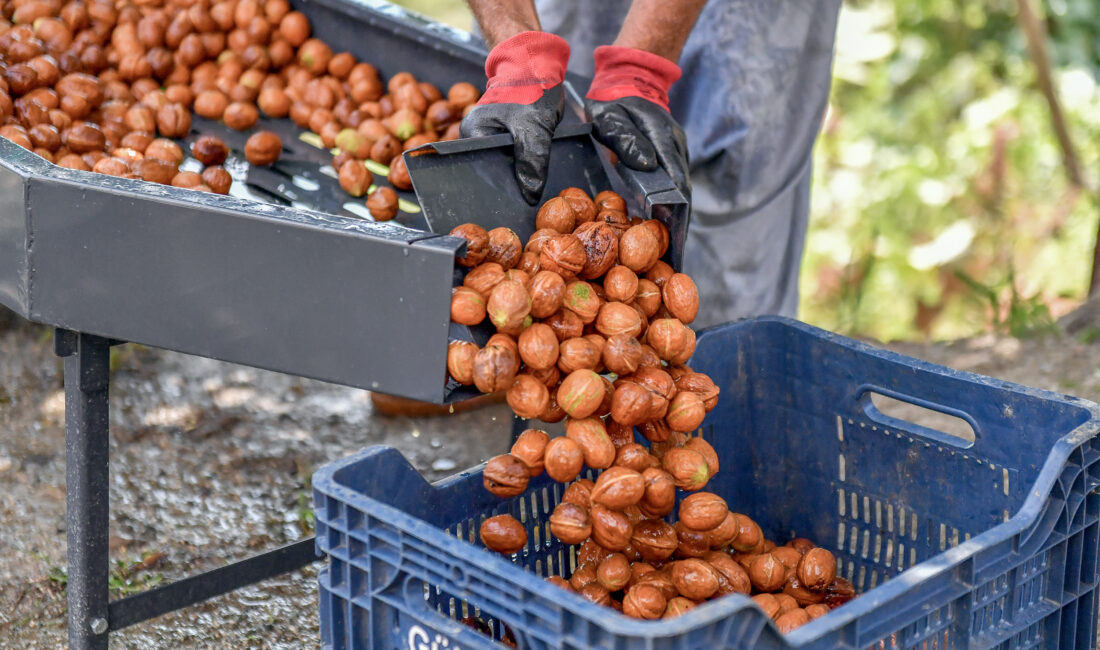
(502, 19)
(659, 26)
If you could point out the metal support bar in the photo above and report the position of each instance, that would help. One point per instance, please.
(194, 589)
(91, 615)
(87, 377)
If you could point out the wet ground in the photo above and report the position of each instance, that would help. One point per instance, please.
(210, 462)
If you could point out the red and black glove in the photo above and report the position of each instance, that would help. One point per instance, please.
(628, 106)
(523, 97)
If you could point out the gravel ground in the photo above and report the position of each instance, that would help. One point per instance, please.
(210, 462)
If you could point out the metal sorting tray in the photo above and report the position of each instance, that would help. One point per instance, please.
(285, 274)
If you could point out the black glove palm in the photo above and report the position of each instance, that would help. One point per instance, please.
(532, 127)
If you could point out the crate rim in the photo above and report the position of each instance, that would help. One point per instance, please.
(713, 611)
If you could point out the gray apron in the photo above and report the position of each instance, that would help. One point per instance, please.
(751, 99)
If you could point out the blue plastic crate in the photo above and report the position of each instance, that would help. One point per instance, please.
(953, 544)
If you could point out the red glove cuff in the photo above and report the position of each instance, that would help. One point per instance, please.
(627, 72)
(522, 67)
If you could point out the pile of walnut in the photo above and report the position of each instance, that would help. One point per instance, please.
(90, 84)
(588, 294)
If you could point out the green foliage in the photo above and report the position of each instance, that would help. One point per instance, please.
(941, 207)
(132, 576)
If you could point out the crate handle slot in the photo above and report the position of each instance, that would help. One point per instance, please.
(918, 416)
(426, 627)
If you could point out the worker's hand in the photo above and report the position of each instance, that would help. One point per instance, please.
(628, 106)
(523, 97)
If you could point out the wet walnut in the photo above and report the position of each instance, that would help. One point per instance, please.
(467, 306)
(399, 174)
(538, 239)
(563, 459)
(354, 177)
(617, 318)
(685, 412)
(647, 297)
(692, 543)
(477, 242)
(581, 393)
(749, 536)
(660, 231)
(630, 404)
(509, 305)
(610, 529)
(173, 120)
(564, 255)
(566, 325)
(383, 204)
(639, 249)
(817, 569)
(460, 361)
(681, 297)
(530, 447)
(581, 299)
(670, 338)
(688, 468)
(620, 284)
(591, 435)
(613, 573)
(660, 492)
(547, 291)
(583, 207)
(495, 368)
(83, 137)
(618, 488)
(702, 386)
(505, 476)
(210, 150)
(703, 511)
(654, 539)
(608, 200)
(578, 353)
(601, 248)
(632, 455)
(767, 573)
(570, 523)
(217, 179)
(504, 247)
(556, 214)
(694, 578)
(704, 449)
(503, 534)
(484, 277)
(528, 397)
(622, 354)
(538, 346)
(791, 620)
(263, 148)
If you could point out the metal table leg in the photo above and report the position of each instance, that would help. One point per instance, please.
(91, 614)
(87, 376)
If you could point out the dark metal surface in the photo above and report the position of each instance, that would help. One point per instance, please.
(321, 300)
(87, 376)
(13, 240)
(195, 589)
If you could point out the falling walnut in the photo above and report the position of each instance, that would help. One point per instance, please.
(593, 328)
